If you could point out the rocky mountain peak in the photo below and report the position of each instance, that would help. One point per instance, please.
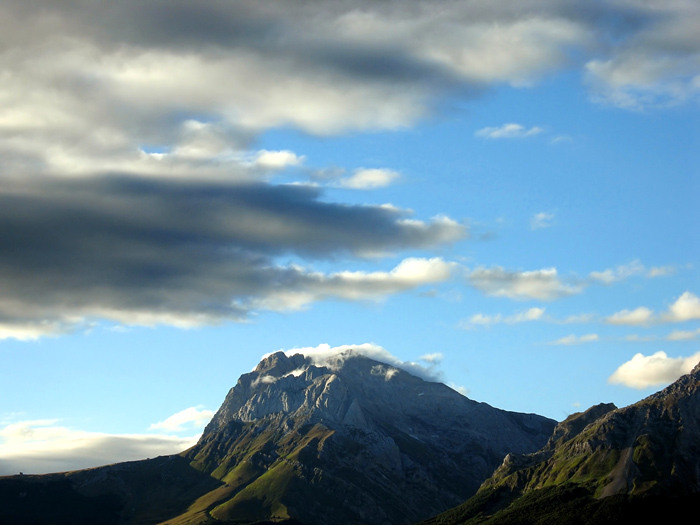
(351, 439)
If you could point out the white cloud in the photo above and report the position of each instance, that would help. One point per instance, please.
(533, 314)
(644, 371)
(542, 284)
(432, 358)
(622, 272)
(661, 271)
(685, 308)
(579, 318)
(277, 160)
(508, 131)
(355, 286)
(576, 340)
(192, 417)
(41, 446)
(683, 335)
(325, 355)
(541, 220)
(365, 179)
(638, 316)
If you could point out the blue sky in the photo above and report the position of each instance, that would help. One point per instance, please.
(507, 197)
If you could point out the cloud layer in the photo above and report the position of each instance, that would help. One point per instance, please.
(130, 185)
(43, 446)
(146, 251)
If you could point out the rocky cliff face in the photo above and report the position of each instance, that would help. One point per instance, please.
(352, 440)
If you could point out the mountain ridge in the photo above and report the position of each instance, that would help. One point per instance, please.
(600, 463)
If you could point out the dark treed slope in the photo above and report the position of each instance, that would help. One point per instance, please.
(642, 460)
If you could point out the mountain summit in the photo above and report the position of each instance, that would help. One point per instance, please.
(350, 439)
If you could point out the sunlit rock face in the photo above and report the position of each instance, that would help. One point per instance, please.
(350, 439)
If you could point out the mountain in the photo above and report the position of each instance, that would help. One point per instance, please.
(346, 439)
(350, 440)
(640, 461)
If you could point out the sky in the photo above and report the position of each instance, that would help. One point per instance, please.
(501, 195)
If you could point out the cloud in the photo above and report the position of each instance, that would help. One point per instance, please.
(302, 288)
(541, 220)
(95, 84)
(325, 355)
(638, 316)
(277, 160)
(434, 358)
(192, 417)
(41, 446)
(365, 179)
(542, 284)
(683, 335)
(576, 340)
(656, 65)
(129, 129)
(631, 269)
(508, 131)
(685, 308)
(645, 371)
(533, 314)
(622, 272)
(661, 271)
(158, 251)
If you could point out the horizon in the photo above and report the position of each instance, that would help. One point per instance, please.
(503, 198)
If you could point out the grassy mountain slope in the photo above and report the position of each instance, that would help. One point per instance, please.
(601, 463)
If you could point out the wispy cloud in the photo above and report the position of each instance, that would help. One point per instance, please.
(532, 314)
(638, 316)
(683, 335)
(576, 339)
(187, 419)
(685, 308)
(365, 179)
(541, 220)
(620, 273)
(645, 371)
(508, 131)
(544, 284)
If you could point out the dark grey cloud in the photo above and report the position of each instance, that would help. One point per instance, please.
(140, 250)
